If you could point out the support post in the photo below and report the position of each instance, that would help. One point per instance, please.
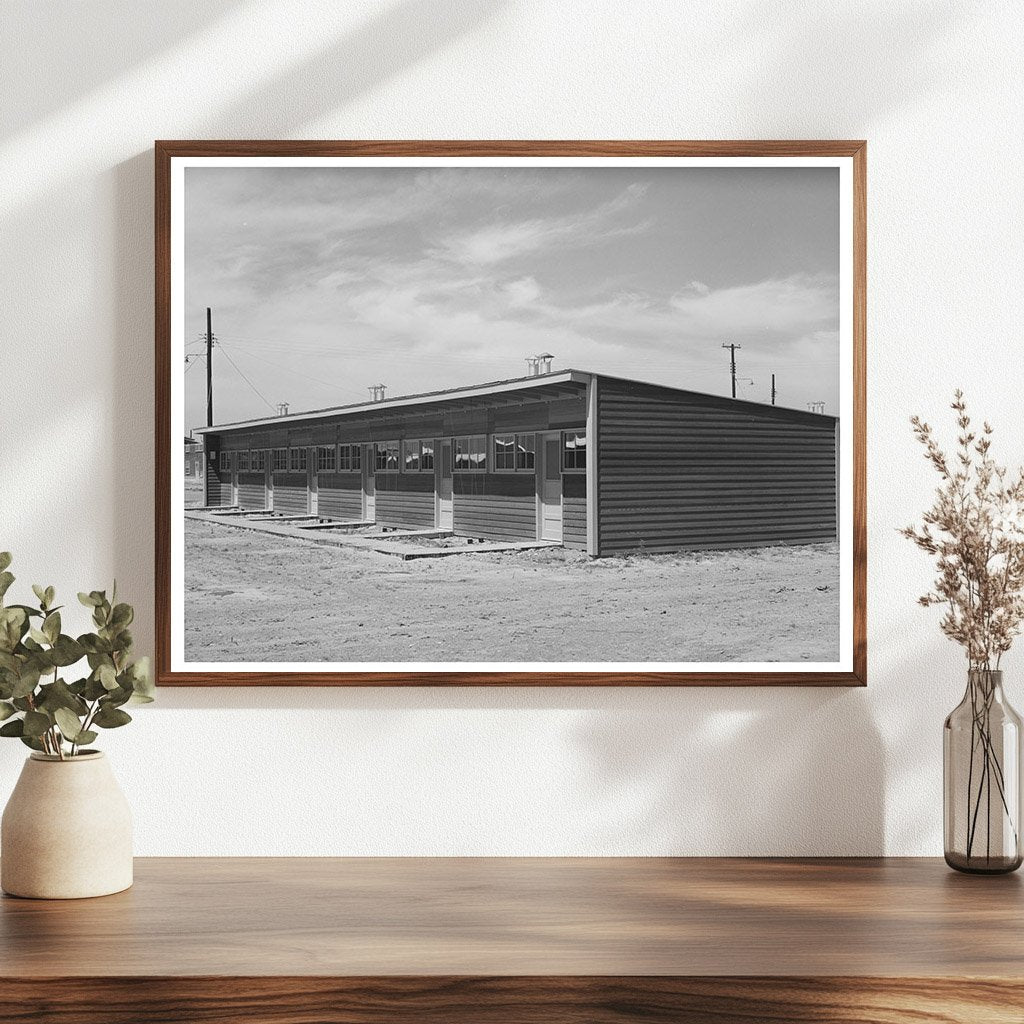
(593, 538)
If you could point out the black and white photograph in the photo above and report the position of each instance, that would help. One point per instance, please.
(511, 415)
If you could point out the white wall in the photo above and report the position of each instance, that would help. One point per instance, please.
(937, 90)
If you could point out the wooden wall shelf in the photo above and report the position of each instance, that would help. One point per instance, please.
(502, 941)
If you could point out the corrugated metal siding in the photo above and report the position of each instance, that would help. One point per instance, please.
(341, 495)
(496, 506)
(679, 471)
(574, 510)
(290, 493)
(252, 490)
(405, 499)
(218, 493)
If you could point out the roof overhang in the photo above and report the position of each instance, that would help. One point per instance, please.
(545, 387)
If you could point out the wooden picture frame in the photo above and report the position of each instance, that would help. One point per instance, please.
(850, 504)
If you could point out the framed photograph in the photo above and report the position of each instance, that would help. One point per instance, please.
(492, 413)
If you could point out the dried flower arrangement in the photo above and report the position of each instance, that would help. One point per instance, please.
(975, 530)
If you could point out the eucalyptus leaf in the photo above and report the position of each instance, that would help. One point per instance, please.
(27, 681)
(69, 724)
(121, 616)
(6, 579)
(86, 736)
(142, 682)
(51, 626)
(66, 651)
(40, 593)
(94, 689)
(16, 727)
(6, 710)
(30, 741)
(110, 717)
(39, 636)
(5, 559)
(115, 698)
(107, 676)
(59, 695)
(12, 627)
(30, 612)
(36, 723)
(89, 600)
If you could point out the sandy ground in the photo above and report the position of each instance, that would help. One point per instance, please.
(195, 496)
(255, 597)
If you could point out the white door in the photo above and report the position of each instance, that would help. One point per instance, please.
(551, 487)
(369, 486)
(268, 481)
(312, 487)
(445, 508)
(234, 478)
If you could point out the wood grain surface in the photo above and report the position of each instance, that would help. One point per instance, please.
(522, 939)
(166, 150)
(511, 1000)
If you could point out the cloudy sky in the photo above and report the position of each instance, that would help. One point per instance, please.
(325, 280)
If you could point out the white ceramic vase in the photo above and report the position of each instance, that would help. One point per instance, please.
(66, 831)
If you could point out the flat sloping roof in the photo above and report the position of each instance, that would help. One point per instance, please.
(540, 382)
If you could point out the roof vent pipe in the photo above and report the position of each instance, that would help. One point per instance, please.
(282, 408)
(545, 360)
(377, 391)
(532, 366)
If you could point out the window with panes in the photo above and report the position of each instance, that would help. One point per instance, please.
(574, 450)
(349, 458)
(326, 456)
(471, 454)
(515, 452)
(386, 456)
(418, 456)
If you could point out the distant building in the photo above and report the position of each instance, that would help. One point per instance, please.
(594, 462)
(193, 458)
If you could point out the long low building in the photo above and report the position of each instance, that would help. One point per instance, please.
(594, 462)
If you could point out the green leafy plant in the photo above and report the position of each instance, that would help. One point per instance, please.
(37, 705)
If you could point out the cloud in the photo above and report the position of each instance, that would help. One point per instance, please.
(522, 292)
(794, 304)
(697, 287)
(503, 240)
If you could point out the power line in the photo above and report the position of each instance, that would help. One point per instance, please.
(259, 394)
(304, 376)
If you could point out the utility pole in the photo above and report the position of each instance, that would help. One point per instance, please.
(773, 389)
(209, 369)
(732, 361)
